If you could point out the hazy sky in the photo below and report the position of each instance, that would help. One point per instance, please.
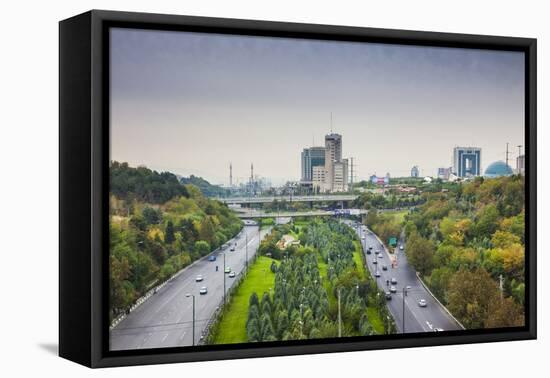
(191, 103)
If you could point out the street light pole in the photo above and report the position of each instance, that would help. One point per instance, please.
(224, 278)
(193, 295)
(339, 316)
(404, 294)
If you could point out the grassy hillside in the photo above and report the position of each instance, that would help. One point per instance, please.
(150, 241)
(466, 243)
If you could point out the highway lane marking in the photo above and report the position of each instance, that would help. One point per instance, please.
(183, 335)
(145, 339)
(184, 283)
(415, 308)
(164, 338)
(384, 275)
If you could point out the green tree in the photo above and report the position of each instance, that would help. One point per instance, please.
(487, 221)
(420, 253)
(202, 247)
(169, 236)
(470, 295)
(151, 216)
(206, 231)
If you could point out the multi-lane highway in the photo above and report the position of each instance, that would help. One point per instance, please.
(166, 318)
(432, 317)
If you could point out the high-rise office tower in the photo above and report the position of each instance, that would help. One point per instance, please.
(333, 153)
(467, 161)
(312, 157)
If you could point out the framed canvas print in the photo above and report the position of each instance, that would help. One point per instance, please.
(234, 188)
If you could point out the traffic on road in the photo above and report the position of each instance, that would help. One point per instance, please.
(166, 318)
(411, 305)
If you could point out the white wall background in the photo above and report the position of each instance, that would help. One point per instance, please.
(29, 186)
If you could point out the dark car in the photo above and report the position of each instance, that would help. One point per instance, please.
(368, 251)
(388, 295)
(384, 267)
(212, 258)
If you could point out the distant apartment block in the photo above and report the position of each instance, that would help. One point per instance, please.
(444, 173)
(520, 165)
(340, 176)
(318, 179)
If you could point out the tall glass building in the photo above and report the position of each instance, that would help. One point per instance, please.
(312, 157)
(467, 161)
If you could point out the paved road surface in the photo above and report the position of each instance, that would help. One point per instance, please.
(165, 319)
(417, 319)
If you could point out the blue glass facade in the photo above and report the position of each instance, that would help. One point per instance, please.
(311, 157)
(467, 161)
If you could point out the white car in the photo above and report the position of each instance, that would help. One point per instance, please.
(232, 274)
(203, 290)
(422, 303)
(377, 274)
(401, 247)
(438, 330)
(199, 278)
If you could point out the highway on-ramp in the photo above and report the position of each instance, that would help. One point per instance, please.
(166, 318)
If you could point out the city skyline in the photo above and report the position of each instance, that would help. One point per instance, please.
(262, 100)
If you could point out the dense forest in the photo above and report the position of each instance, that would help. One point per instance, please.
(158, 226)
(143, 184)
(468, 244)
(392, 200)
(205, 187)
(308, 281)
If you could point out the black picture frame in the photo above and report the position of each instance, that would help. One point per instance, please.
(83, 181)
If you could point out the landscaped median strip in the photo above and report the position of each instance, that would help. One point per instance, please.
(232, 325)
